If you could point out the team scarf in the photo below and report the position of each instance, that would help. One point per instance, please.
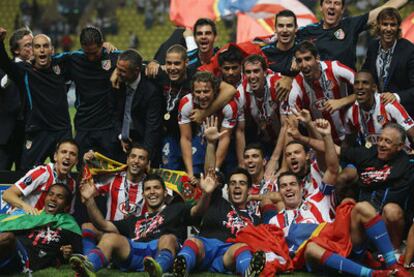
(175, 180)
(18, 222)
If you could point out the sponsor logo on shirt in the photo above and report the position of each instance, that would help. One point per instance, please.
(151, 226)
(372, 175)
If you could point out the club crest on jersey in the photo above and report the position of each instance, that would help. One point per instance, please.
(106, 64)
(56, 69)
(380, 119)
(28, 144)
(133, 208)
(28, 180)
(319, 104)
(339, 34)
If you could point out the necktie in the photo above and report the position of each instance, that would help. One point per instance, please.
(127, 113)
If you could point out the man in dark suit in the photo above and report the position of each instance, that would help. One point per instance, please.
(11, 116)
(390, 59)
(142, 105)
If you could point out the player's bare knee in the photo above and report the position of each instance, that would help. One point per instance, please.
(7, 239)
(110, 239)
(312, 252)
(365, 209)
(168, 241)
(393, 213)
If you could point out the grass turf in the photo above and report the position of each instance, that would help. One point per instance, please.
(65, 271)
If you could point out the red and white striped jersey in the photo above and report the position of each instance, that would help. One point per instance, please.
(261, 188)
(316, 209)
(264, 111)
(124, 197)
(312, 182)
(369, 123)
(228, 114)
(333, 84)
(35, 184)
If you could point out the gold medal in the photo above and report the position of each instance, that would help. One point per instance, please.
(368, 144)
(167, 116)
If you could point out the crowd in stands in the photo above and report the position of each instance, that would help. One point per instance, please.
(302, 160)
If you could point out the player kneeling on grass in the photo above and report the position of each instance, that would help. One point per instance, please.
(32, 242)
(146, 242)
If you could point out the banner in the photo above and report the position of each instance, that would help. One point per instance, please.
(254, 17)
(407, 27)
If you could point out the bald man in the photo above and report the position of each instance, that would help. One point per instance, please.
(46, 111)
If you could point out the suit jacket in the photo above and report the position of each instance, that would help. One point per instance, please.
(146, 113)
(401, 72)
(10, 104)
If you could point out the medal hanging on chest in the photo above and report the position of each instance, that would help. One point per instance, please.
(262, 109)
(171, 103)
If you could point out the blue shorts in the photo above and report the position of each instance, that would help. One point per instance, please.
(214, 250)
(139, 250)
(171, 154)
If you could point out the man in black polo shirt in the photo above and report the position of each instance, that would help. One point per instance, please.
(47, 113)
(90, 70)
(336, 37)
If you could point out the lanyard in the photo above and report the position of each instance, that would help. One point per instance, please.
(262, 108)
(126, 195)
(171, 104)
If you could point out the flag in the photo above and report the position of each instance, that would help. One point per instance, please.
(13, 222)
(175, 180)
(407, 27)
(269, 239)
(101, 164)
(259, 21)
(254, 17)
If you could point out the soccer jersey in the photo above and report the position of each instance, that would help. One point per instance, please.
(263, 187)
(265, 111)
(332, 84)
(194, 60)
(169, 219)
(279, 60)
(336, 43)
(124, 198)
(173, 92)
(222, 220)
(45, 93)
(35, 184)
(369, 124)
(312, 182)
(43, 245)
(95, 109)
(228, 114)
(316, 209)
